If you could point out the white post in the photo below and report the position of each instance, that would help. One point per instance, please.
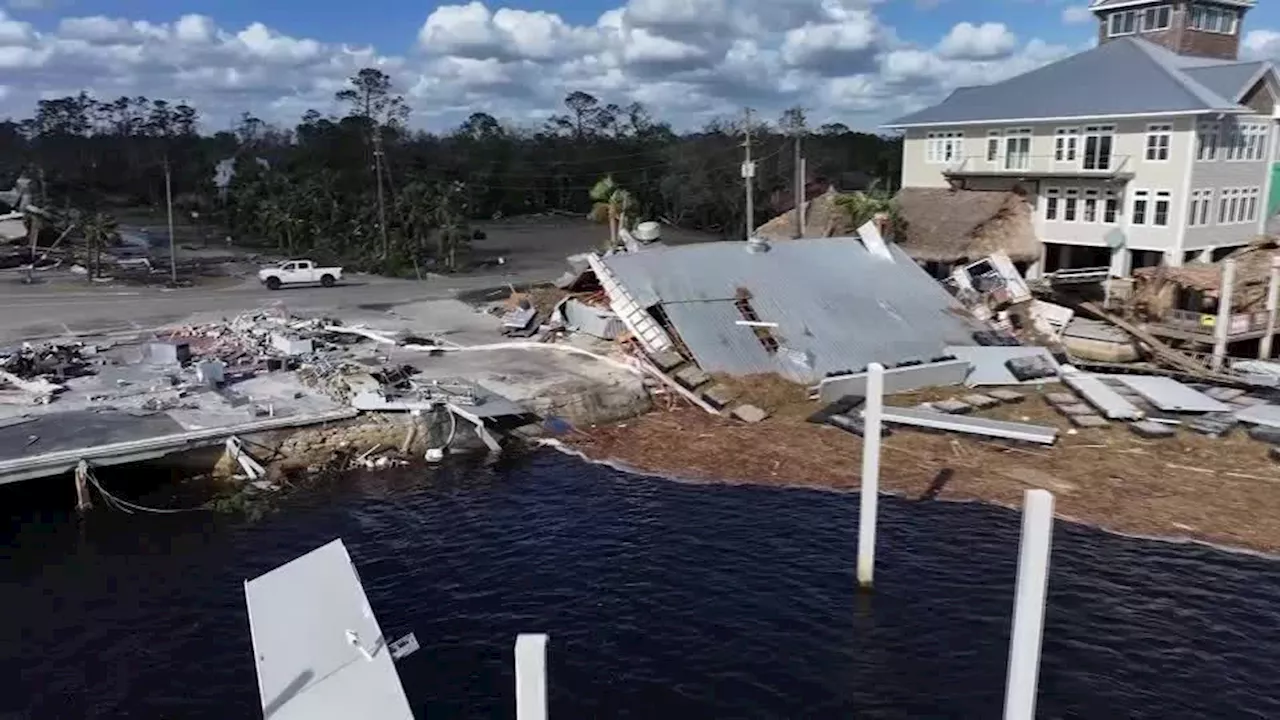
(1028, 605)
(1222, 326)
(531, 676)
(871, 422)
(1273, 309)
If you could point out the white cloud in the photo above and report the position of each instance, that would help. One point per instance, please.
(688, 60)
(1261, 44)
(978, 42)
(1077, 15)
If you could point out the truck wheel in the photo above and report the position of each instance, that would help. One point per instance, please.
(273, 283)
(327, 281)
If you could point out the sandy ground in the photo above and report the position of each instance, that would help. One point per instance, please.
(1224, 490)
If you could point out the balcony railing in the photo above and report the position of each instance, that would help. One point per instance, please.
(1205, 323)
(1038, 166)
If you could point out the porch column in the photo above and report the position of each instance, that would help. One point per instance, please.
(1222, 325)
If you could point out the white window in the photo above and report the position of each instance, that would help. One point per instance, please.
(1070, 206)
(993, 146)
(1161, 215)
(1066, 142)
(1051, 198)
(1124, 22)
(1233, 204)
(944, 147)
(1213, 19)
(1207, 141)
(1252, 197)
(1158, 138)
(1255, 142)
(1141, 199)
(1090, 206)
(1222, 205)
(1097, 146)
(1155, 18)
(1198, 213)
(1111, 208)
(1017, 149)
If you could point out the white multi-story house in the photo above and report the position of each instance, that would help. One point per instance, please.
(1155, 146)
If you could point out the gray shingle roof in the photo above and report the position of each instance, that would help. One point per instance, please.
(834, 303)
(1128, 76)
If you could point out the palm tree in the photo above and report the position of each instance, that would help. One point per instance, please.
(610, 203)
(865, 206)
(99, 231)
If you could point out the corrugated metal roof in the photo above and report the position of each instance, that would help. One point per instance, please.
(1127, 76)
(837, 307)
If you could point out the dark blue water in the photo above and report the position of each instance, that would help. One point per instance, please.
(662, 600)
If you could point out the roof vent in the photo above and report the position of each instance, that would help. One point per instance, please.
(757, 245)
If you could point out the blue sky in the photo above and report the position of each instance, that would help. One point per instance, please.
(855, 61)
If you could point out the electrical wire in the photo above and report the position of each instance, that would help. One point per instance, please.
(129, 507)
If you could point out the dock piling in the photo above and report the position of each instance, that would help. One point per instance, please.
(531, 676)
(1028, 608)
(1222, 325)
(870, 483)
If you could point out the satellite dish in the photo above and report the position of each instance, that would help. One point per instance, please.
(647, 231)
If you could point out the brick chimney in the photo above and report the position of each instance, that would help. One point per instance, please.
(1204, 28)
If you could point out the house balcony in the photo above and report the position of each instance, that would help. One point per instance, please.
(1039, 167)
(1200, 327)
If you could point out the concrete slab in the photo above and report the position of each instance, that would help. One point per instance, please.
(691, 376)
(952, 407)
(979, 401)
(719, 396)
(990, 363)
(1073, 409)
(749, 414)
(1088, 421)
(1060, 398)
(80, 429)
(1213, 424)
(1006, 396)
(1152, 430)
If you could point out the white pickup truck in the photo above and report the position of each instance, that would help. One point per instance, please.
(298, 272)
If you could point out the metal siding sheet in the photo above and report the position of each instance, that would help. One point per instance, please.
(1268, 415)
(1121, 77)
(830, 297)
(298, 616)
(989, 367)
(1169, 394)
(1101, 396)
(717, 343)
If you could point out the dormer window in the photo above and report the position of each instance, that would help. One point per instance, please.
(1128, 22)
(1209, 18)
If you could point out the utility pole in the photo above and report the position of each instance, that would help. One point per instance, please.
(799, 184)
(168, 201)
(382, 205)
(748, 176)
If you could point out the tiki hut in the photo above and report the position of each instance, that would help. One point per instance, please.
(823, 218)
(949, 227)
(1195, 286)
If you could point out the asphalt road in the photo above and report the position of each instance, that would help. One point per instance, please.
(61, 309)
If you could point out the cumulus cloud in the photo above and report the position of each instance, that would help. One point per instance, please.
(689, 60)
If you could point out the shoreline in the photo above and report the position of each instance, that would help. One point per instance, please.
(622, 467)
(1104, 478)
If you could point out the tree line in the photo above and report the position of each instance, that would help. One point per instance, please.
(362, 188)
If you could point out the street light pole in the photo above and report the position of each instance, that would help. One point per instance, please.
(168, 201)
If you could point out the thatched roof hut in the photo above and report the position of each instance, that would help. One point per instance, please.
(1195, 286)
(823, 218)
(952, 226)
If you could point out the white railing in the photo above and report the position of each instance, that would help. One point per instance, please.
(1036, 165)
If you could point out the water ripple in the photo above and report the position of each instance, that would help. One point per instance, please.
(660, 598)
